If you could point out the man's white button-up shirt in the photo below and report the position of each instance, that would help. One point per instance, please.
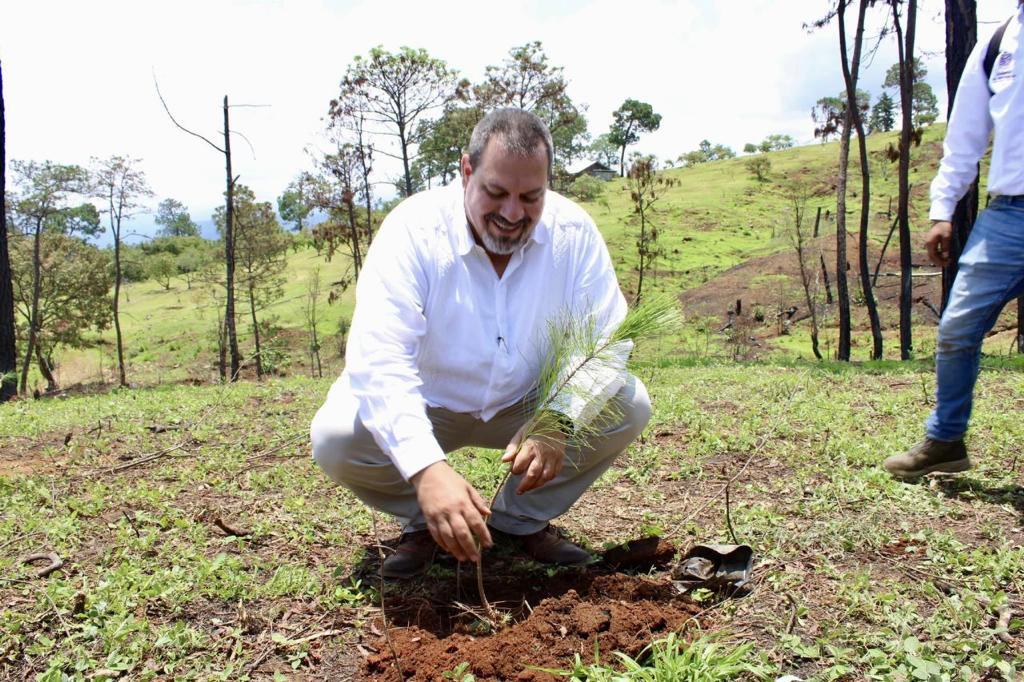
(435, 325)
(977, 111)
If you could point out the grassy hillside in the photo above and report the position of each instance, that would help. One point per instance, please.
(713, 217)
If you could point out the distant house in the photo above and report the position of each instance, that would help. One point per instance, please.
(593, 168)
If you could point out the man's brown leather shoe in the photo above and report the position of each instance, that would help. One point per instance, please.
(927, 457)
(411, 557)
(549, 547)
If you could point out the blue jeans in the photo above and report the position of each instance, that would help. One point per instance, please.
(991, 274)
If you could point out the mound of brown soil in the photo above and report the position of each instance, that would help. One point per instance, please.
(617, 613)
(552, 618)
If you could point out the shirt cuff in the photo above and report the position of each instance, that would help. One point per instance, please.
(941, 210)
(416, 454)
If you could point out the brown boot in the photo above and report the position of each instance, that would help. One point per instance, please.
(929, 456)
(548, 547)
(411, 557)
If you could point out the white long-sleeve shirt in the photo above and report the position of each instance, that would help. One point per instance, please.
(434, 324)
(978, 112)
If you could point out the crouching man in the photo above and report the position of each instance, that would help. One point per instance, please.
(449, 335)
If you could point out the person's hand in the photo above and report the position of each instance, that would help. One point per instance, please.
(540, 457)
(454, 510)
(939, 242)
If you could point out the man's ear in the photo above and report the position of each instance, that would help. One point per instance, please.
(466, 169)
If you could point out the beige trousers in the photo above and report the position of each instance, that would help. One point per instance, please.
(348, 454)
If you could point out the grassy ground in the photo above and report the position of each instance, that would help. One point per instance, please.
(226, 555)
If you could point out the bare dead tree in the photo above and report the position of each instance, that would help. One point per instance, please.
(905, 51)
(8, 349)
(119, 183)
(821, 258)
(851, 72)
(961, 36)
(797, 194)
(229, 233)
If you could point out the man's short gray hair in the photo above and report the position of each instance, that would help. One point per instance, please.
(518, 130)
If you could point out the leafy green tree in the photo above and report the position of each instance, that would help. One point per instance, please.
(261, 249)
(526, 80)
(750, 148)
(705, 152)
(924, 106)
(442, 142)
(628, 121)
(392, 91)
(162, 268)
(603, 151)
(829, 113)
(118, 183)
(759, 167)
(191, 261)
(337, 187)
(776, 142)
(174, 221)
(294, 205)
(67, 298)
(40, 205)
(586, 188)
(883, 114)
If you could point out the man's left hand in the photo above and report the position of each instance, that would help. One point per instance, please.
(540, 457)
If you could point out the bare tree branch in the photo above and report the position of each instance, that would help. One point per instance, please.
(169, 115)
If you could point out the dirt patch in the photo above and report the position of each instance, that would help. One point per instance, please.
(551, 618)
(615, 613)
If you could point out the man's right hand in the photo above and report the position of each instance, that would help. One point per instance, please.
(453, 509)
(939, 242)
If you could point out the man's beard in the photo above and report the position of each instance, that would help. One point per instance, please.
(500, 244)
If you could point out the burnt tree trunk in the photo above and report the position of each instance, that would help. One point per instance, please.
(842, 289)
(8, 348)
(821, 257)
(115, 224)
(851, 72)
(229, 253)
(255, 329)
(905, 45)
(961, 36)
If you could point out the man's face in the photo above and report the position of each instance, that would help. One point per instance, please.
(504, 196)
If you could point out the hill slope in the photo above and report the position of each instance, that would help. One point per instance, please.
(711, 218)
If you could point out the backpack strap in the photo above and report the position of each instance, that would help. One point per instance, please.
(993, 52)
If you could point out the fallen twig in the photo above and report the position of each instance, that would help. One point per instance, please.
(145, 459)
(280, 446)
(309, 638)
(55, 562)
(728, 516)
(792, 615)
(231, 530)
(131, 523)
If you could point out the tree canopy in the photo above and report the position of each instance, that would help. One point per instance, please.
(628, 121)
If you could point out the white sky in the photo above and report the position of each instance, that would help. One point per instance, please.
(78, 76)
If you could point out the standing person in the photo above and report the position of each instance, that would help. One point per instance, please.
(448, 338)
(991, 267)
